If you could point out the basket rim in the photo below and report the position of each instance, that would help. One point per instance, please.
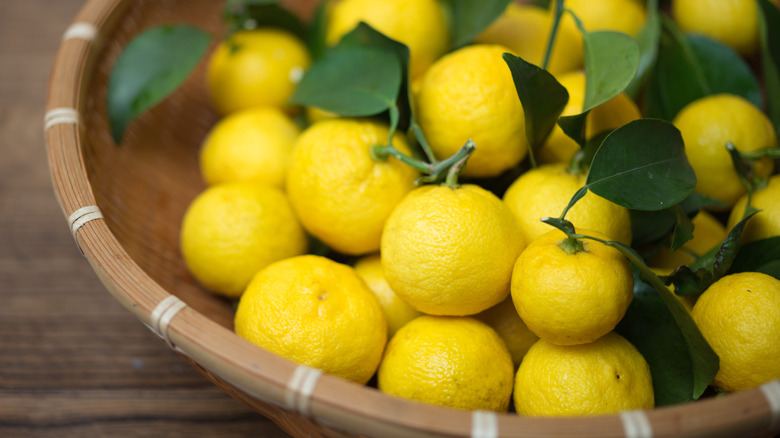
(325, 399)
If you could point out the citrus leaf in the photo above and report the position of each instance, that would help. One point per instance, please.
(693, 66)
(759, 256)
(611, 62)
(650, 227)
(702, 363)
(696, 278)
(574, 127)
(683, 229)
(367, 37)
(642, 165)
(542, 97)
(252, 14)
(647, 40)
(650, 327)
(361, 76)
(725, 69)
(351, 82)
(149, 69)
(315, 39)
(470, 18)
(769, 28)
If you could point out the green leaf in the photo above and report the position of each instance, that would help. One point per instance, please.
(695, 279)
(149, 69)
(759, 256)
(574, 127)
(653, 226)
(726, 71)
(315, 38)
(647, 40)
(650, 327)
(693, 66)
(611, 62)
(253, 14)
(367, 37)
(355, 78)
(542, 97)
(470, 18)
(642, 165)
(683, 229)
(769, 28)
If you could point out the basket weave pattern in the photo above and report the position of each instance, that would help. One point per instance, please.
(125, 204)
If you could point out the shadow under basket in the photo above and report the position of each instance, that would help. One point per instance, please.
(125, 203)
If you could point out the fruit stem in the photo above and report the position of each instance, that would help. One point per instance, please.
(571, 244)
(415, 128)
(382, 152)
(745, 168)
(553, 33)
(458, 161)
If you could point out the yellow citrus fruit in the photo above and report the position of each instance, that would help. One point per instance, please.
(603, 377)
(419, 24)
(503, 318)
(450, 251)
(569, 298)
(546, 190)
(316, 312)
(706, 125)
(610, 115)
(525, 29)
(708, 233)
(397, 311)
(458, 362)
(249, 145)
(739, 316)
(341, 194)
(253, 68)
(470, 94)
(230, 231)
(765, 223)
(627, 16)
(732, 22)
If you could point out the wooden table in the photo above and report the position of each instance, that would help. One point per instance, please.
(73, 362)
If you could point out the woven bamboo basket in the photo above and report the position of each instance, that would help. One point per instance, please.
(124, 205)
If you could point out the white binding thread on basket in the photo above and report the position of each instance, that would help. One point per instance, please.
(636, 424)
(78, 218)
(81, 30)
(58, 116)
(300, 388)
(771, 392)
(484, 424)
(163, 314)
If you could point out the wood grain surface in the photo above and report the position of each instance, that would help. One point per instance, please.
(73, 362)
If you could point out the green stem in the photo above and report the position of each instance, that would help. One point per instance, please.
(395, 117)
(577, 196)
(381, 153)
(762, 153)
(553, 33)
(571, 244)
(459, 161)
(415, 128)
